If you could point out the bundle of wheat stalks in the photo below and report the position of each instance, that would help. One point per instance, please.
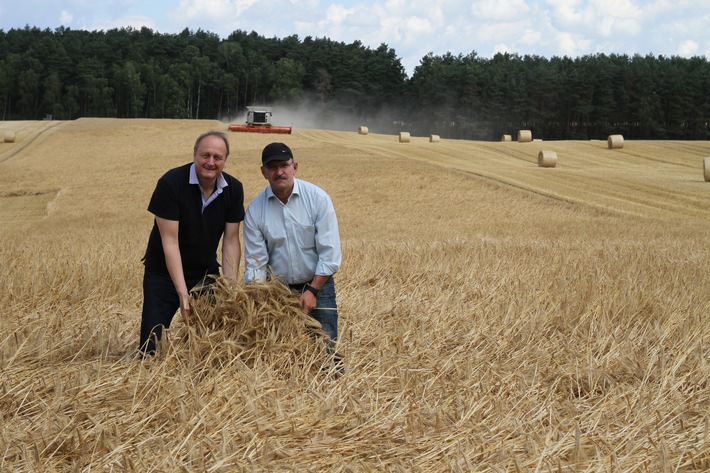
(251, 324)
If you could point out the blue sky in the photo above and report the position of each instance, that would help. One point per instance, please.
(412, 28)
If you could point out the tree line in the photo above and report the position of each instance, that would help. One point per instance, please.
(139, 73)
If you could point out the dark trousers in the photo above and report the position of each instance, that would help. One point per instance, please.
(160, 303)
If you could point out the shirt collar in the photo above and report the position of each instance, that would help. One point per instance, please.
(221, 181)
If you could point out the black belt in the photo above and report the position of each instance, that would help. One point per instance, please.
(298, 287)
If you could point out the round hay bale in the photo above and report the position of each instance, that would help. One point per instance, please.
(404, 137)
(706, 169)
(434, 139)
(506, 138)
(524, 136)
(8, 136)
(547, 159)
(615, 141)
(362, 130)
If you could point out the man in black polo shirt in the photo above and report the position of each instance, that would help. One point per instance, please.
(195, 205)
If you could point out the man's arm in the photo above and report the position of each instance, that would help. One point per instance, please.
(327, 240)
(231, 251)
(256, 255)
(329, 253)
(169, 238)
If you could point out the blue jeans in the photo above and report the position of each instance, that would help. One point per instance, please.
(326, 313)
(326, 310)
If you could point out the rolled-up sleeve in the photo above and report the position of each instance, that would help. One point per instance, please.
(327, 239)
(255, 250)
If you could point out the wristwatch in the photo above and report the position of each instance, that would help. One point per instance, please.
(311, 289)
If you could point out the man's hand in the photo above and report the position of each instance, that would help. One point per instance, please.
(307, 302)
(185, 308)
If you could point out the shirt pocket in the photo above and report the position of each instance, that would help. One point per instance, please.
(305, 236)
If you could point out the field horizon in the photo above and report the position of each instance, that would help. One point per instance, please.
(494, 315)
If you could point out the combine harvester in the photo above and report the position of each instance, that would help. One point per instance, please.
(259, 121)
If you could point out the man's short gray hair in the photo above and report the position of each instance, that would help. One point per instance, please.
(204, 135)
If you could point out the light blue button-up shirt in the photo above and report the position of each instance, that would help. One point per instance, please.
(296, 240)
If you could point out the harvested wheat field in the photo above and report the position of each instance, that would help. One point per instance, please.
(494, 315)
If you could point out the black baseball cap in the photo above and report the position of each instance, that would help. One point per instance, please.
(275, 152)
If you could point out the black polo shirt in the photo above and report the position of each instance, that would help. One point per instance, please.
(174, 198)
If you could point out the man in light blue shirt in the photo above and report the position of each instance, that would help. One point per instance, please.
(291, 232)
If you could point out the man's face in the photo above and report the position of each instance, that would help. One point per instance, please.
(210, 157)
(280, 174)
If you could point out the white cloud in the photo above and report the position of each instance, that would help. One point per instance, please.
(499, 10)
(616, 8)
(565, 11)
(572, 45)
(501, 32)
(337, 14)
(344, 24)
(531, 37)
(123, 4)
(414, 28)
(207, 10)
(501, 48)
(136, 22)
(688, 48)
(656, 8)
(65, 18)
(605, 17)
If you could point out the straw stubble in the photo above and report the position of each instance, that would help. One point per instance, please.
(539, 323)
